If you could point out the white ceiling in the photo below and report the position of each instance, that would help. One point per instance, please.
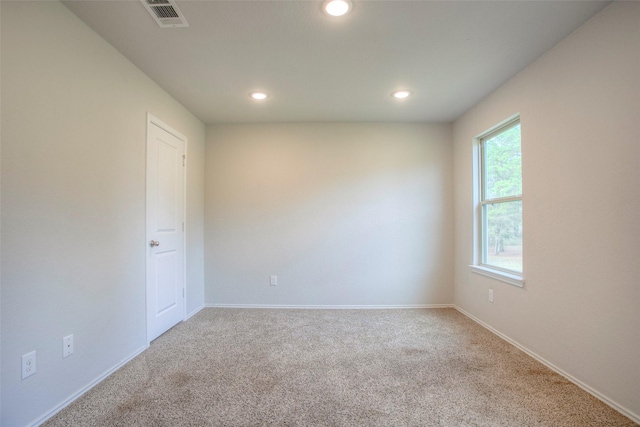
(317, 68)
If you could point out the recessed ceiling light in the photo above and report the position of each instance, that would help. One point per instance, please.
(259, 96)
(337, 7)
(401, 94)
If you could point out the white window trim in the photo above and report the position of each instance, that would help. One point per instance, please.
(510, 277)
(503, 276)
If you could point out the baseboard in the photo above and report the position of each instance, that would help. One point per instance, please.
(194, 312)
(330, 307)
(624, 411)
(86, 388)
(634, 417)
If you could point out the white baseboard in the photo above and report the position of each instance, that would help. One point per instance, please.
(194, 312)
(587, 388)
(624, 411)
(86, 388)
(330, 307)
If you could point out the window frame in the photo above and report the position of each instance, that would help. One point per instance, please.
(481, 203)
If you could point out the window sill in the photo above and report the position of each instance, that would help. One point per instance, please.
(510, 278)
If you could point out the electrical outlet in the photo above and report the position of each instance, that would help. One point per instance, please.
(274, 281)
(67, 346)
(490, 295)
(28, 364)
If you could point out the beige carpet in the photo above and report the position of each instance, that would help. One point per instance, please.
(241, 367)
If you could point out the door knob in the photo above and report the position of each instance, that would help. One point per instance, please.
(154, 243)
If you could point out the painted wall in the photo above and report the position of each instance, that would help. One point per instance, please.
(580, 109)
(0, 217)
(73, 208)
(343, 214)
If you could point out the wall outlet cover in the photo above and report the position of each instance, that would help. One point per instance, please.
(67, 346)
(28, 364)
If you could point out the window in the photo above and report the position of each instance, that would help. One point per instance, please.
(499, 204)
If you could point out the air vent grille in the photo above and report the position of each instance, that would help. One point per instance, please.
(165, 13)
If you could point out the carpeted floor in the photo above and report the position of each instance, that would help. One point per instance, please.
(255, 367)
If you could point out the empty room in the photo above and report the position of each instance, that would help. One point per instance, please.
(314, 213)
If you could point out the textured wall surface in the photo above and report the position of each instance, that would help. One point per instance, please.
(579, 106)
(344, 214)
(73, 208)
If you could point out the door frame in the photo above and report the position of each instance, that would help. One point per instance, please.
(152, 120)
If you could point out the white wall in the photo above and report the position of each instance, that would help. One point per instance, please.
(580, 112)
(73, 208)
(0, 218)
(344, 214)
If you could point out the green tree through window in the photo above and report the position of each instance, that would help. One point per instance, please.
(501, 198)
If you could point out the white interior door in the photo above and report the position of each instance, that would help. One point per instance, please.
(165, 228)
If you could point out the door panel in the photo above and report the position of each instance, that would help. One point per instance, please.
(165, 231)
(167, 286)
(167, 192)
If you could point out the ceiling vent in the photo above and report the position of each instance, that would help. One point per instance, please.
(165, 13)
